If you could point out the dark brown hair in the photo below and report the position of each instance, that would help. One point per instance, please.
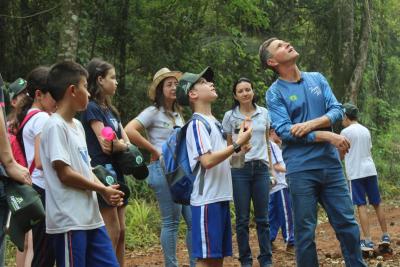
(159, 100)
(96, 68)
(62, 75)
(36, 80)
(241, 80)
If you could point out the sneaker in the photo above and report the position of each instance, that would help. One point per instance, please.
(366, 245)
(385, 239)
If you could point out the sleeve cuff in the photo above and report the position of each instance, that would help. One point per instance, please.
(311, 137)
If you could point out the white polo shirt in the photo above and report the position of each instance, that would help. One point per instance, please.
(159, 124)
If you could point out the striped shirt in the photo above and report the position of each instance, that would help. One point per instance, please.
(217, 180)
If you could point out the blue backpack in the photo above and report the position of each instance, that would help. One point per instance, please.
(176, 166)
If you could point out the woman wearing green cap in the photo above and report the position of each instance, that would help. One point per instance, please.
(17, 90)
(159, 120)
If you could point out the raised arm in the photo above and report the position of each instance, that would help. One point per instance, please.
(198, 140)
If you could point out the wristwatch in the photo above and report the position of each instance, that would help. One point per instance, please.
(236, 147)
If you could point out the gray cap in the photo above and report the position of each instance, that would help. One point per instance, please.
(17, 87)
(186, 83)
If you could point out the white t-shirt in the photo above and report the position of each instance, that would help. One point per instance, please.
(260, 123)
(159, 124)
(358, 161)
(31, 130)
(217, 180)
(276, 154)
(67, 208)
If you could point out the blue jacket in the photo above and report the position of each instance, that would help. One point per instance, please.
(294, 102)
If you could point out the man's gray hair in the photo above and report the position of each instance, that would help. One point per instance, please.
(265, 54)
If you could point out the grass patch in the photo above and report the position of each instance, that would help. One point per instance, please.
(142, 224)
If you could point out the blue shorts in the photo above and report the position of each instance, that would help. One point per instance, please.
(211, 231)
(84, 248)
(362, 187)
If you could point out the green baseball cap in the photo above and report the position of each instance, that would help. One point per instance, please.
(186, 83)
(17, 87)
(26, 210)
(131, 162)
(350, 109)
(106, 177)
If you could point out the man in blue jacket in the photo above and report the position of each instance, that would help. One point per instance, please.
(303, 109)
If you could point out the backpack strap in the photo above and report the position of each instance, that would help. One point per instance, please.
(27, 118)
(198, 164)
(19, 135)
(204, 121)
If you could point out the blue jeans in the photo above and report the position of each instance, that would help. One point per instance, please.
(251, 183)
(329, 188)
(3, 220)
(170, 216)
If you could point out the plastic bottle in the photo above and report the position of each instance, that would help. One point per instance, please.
(237, 159)
(247, 123)
(108, 133)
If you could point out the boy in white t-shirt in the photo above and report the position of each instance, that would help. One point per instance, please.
(280, 206)
(361, 172)
(211, 223)
(73, 218)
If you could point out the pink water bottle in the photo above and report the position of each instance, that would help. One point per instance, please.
(108, 133)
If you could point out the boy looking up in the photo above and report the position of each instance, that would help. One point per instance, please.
(211, 224)
(72, 212)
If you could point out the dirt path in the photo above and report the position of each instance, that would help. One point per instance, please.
(327, 247)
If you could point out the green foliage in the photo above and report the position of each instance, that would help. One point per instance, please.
(139, 189)
(386, 153)
(142, 224)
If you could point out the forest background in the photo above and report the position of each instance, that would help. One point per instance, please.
(354, 43)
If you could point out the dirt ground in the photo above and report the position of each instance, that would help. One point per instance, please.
(327, 247)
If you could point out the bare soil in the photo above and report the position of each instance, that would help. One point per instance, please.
(327, 247)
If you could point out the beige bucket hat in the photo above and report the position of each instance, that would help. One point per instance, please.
(158, 77)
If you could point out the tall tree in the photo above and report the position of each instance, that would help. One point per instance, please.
(355, 81)
(69, 34)
(344, 52)
(350, 56)
(4, 4)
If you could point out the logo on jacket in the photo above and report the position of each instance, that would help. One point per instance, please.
(316, 90)
(293, 97)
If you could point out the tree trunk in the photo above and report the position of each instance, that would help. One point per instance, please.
(4, 7)
(69, 34)
(356, 77)
(122, 37)
(344, 58)
(122, 45)
(22, 38)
